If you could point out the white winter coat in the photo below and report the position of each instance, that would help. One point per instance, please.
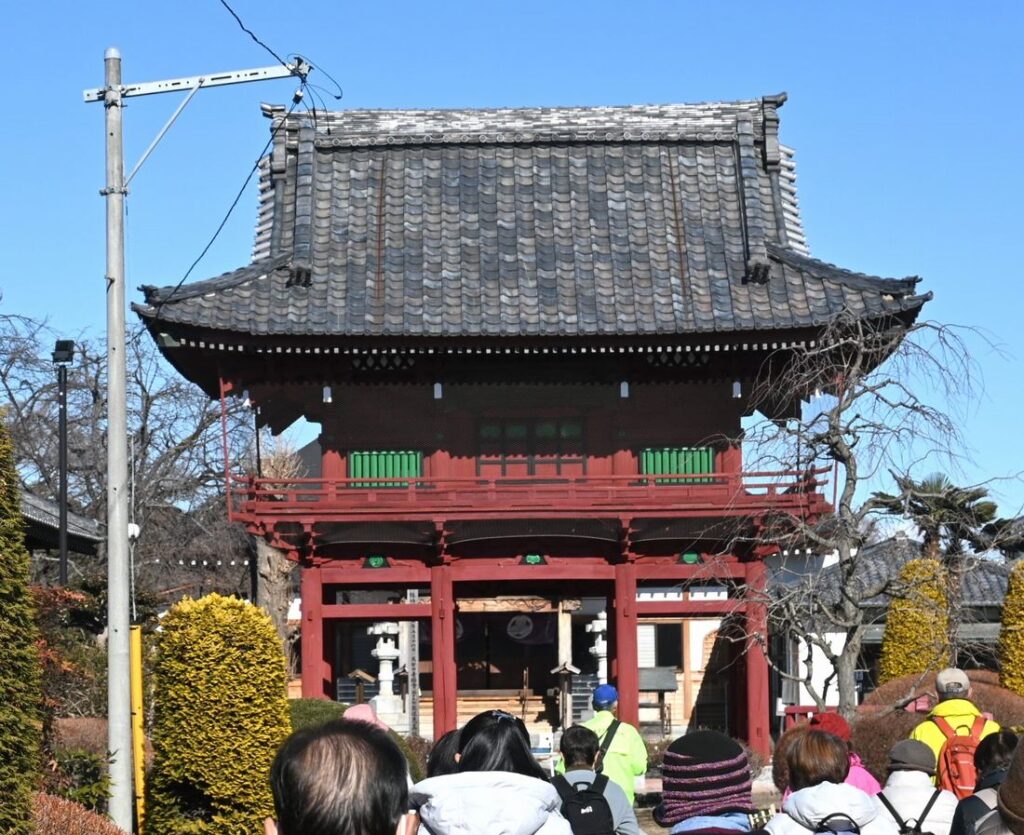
(803, 810)
(909, 792)
(491, 802)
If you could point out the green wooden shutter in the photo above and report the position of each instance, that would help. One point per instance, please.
(377, 464)
(678, 461)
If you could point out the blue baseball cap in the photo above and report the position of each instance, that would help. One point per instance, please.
(604, 695)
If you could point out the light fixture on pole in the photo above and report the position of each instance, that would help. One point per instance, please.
(63, 354)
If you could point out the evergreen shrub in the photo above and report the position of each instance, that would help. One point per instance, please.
(916, 639)
(1011, 639)
(221, 712)
(20, 675)
(58, 816)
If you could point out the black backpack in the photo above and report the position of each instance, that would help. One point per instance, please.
(837, 822)
(584, 805)
(905, 827)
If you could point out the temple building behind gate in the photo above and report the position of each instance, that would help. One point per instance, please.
(528, 337)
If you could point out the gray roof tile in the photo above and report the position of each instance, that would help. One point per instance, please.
(542, 221)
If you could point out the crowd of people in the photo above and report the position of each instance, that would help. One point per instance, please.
(348, 777)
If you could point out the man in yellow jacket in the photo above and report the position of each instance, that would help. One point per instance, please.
(955, 706)
(626, 758)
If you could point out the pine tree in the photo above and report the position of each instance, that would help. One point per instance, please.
(916, 639)
(1011, 639)
(221, 714)
(20, 676)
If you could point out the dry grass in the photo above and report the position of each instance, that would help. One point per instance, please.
(56, 816)
(88, 733)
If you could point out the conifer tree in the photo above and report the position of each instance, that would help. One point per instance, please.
(916, 638)
(20, 677)
(1011, 639)
(221, 712)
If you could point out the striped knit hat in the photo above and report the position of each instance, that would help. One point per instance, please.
(703, 773)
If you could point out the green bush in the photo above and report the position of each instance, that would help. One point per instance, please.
(308, 713)
(1011, 639)
(81, 777)
(916, 627)
(221, 713)
(20, 677)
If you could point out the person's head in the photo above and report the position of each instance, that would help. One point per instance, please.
(995, 752)
(441, 759)
(606, 697)
(1010, 800)
(496, 741)
(952, 683)
(579, 747)
(342, 778)
(911, 755)
(831, 723)
(703, 773)
(817, 757)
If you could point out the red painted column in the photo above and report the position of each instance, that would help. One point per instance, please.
(758, 709)
(627, 673)
(442, 622)
(313, 685)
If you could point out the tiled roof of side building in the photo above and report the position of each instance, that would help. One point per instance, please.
(603, 221)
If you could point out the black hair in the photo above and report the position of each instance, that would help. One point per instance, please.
(497, 741)
(995, 752)
(441, 759)
(341, 778)
(579, 747)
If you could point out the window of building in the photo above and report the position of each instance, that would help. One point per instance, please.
(389, 463)
(678, 461)
(539, 447)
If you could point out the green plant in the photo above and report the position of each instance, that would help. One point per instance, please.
(57, 816)
(221, 714)
(81, 777)
(21, 708)
(308, 713)
(916, 639)
(1011, 639)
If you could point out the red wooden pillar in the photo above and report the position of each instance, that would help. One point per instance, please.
(316, 671)
(627, 673)
(757, 663)
(442, 622)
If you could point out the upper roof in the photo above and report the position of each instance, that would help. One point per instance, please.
(612, 221)
(42, 518)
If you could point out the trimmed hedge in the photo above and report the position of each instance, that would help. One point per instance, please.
(220, 715)
(21, 693)
(1011, 639)
(57, 816)
(916, 627)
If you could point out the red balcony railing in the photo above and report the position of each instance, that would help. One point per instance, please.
(709, 494)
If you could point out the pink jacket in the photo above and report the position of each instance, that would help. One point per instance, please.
(861, 777)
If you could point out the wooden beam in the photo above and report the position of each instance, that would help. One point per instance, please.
(711, 571)
(757, 663)
(626, 653)
(399, 576)
(690, 608)
(315, 679)
(375, 611)
(442, 622)
(515, 604)
(467, 571)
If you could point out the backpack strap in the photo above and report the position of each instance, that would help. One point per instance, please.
(605, 743)
(892, 810)
(565, 791)
(927, 808)
(948, 730)
(600, 781)
(978, 728)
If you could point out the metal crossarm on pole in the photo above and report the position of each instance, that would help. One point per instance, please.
(112, 94)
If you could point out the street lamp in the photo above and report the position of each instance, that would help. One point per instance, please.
(63, 354)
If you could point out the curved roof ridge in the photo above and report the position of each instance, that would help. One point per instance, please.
(225, 281)
(856, 280)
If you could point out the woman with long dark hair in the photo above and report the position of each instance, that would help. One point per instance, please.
(498, 787)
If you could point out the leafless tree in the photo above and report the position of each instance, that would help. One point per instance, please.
(872, 398)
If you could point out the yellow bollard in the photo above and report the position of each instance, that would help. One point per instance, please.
(138, 726)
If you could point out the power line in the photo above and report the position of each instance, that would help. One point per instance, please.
(252, 34)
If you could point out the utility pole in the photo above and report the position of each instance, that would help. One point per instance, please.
(112, 94)
(63, 354)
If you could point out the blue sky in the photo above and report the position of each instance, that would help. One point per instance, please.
(906, 118)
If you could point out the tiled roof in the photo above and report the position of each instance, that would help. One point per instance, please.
(541, 222)
(984, 581)
(47, 513)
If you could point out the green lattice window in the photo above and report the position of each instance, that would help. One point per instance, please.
(389, 463)
(678, 461)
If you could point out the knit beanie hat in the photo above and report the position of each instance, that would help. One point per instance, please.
(1011, 794)
(831, 723)
(703, 773)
